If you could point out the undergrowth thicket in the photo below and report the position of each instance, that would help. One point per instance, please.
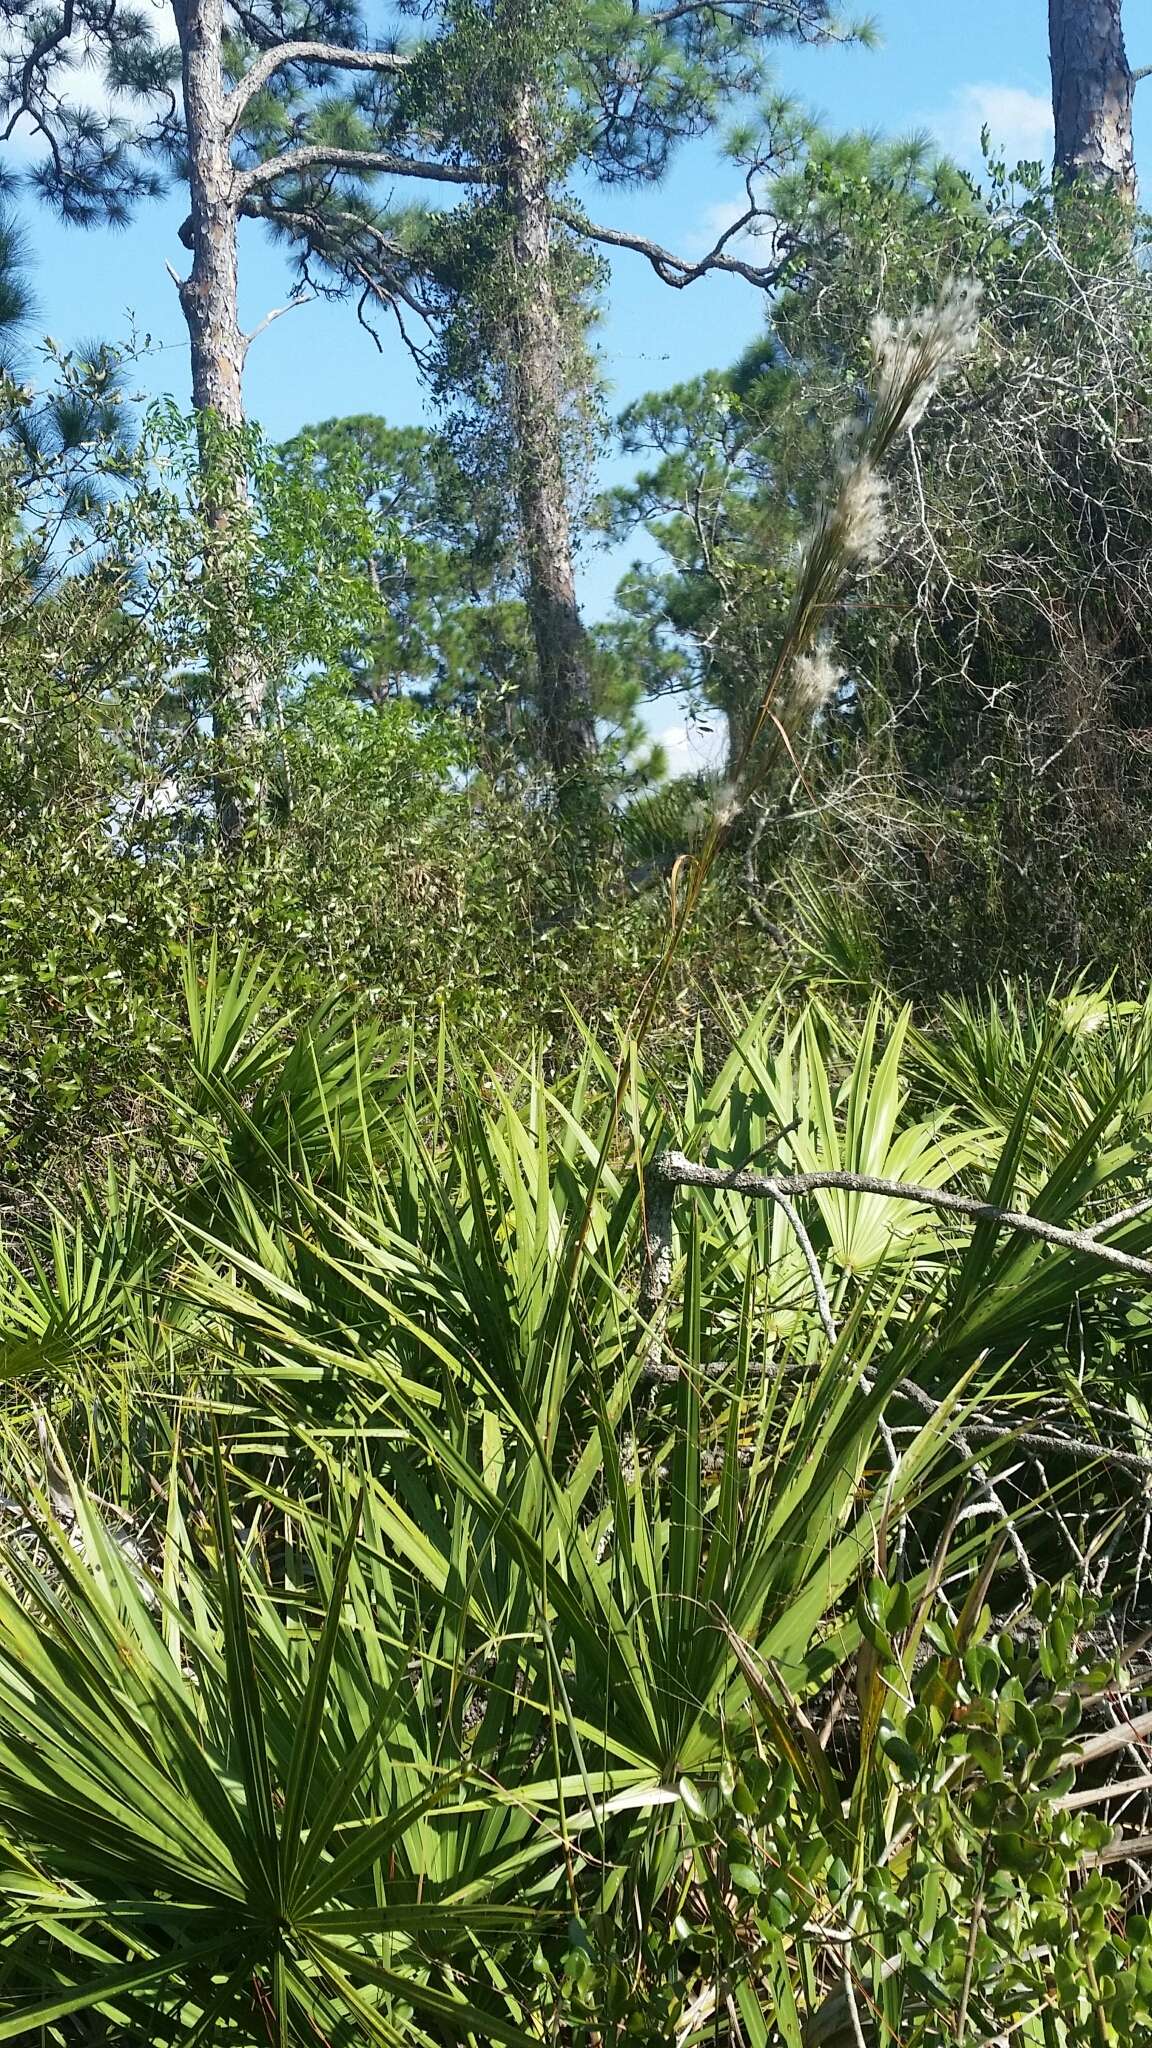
(406, 1636)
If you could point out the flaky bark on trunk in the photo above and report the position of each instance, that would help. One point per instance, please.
(209, 299)
(537, 387)
(209, 295)
(1092, 94)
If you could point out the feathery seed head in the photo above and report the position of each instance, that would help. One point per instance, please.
(913, 357)
(815, 679)
(857, 521)
(726, 805)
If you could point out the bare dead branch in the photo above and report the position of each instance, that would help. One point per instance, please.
(1120, 1850)
(683, 1172)
(672, 1169)
(1130, 1733)
(678, 271)
(277, 313)
(1096, 1795)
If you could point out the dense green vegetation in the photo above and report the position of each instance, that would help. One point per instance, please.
(575, 1391)
(414, 1630)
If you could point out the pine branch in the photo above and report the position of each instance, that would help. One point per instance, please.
(800, 17)
(384, 272)
(675, 270)
(270, 61)
(52, 38)
(316, 156)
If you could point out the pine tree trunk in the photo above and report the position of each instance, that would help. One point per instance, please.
(209, 298)
(1091, 94)
(537, 387)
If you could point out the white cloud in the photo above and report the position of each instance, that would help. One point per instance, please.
(689, 744)
(1019, 124)
(710, 223)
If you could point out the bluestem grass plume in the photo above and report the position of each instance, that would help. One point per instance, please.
(857, 517)
(915, 356)
(912, 358)
(726, 804)
(719, 805)
(815, 680)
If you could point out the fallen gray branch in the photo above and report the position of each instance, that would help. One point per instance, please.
(823, 1305)
(1096, 1795)
(1120, 1850)
(1121, 1216)
(680, 1171)
(670, 1170)
(1130, 1732)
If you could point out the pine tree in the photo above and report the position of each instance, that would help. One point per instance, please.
(16, 300)
(451, 630)
(208, 109)
(518, 99)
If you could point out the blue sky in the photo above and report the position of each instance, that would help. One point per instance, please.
(942, 65)
(945, 66)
